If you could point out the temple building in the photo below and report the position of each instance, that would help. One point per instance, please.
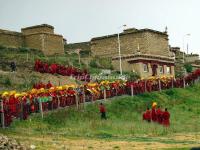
(41, 37)
(144, 51)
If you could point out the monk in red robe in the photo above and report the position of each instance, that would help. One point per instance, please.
(153, 112)
(159, 114)
(49, 85)
(147, 115)
(166, 116)
(102, 110)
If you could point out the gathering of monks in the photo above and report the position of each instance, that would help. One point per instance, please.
(157, 115)
(45, 97)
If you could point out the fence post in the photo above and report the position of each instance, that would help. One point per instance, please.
(183, 82)
(172, 83)
(41, 110)
(83, 99)
(2, 115)
(77, 100)
(59, 102)
(145, 86)
(131, 90)
(104, 94)
(159, 83)
(92, 99)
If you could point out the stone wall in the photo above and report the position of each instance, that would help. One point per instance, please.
(147, 41)
(53, 44)
(191, 58)
(11, 39)
(34, 41)
(49, 44)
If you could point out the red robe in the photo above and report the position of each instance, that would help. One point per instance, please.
(147, 115)
(166, 116)
(153, 114)
(102, 109)
(159, 115)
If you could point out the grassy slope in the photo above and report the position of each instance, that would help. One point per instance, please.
(124, 119)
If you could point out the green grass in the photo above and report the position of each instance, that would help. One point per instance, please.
(124, 117)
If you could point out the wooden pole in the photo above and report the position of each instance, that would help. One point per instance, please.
(159, 83)
(41, 110)
(104, 94)
(131, 90)
(76, 97)
(145, 86)
(59, 101)
(183, 82)
(172, 83)
(2, 115)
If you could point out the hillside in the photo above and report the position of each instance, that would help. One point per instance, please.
(25, 77)
(124, 129)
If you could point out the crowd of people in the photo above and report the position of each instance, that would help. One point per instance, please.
(20, 105)
(44, 67)
(157, 115)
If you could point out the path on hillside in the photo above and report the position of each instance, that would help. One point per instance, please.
(55, 142)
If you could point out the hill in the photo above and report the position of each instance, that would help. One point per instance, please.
(124, 129)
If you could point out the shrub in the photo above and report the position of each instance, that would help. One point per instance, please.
(131, 76)
(188, 68)
(93, 63)
(7, 82)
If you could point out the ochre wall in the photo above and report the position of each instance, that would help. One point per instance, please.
(148, 42)
(53, 44)
(34, 41)
(11, 40)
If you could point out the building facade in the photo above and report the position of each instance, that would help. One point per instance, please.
(143, 51)
(41, 37)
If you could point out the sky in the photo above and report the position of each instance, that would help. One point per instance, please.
(81, 20)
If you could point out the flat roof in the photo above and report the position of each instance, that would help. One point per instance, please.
(38, 26)
(125, 33)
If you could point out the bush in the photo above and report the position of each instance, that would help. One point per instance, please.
(24, 49)
(93, 63)
(131, 76)
(188, 68)
(7, 82)
(85, 53)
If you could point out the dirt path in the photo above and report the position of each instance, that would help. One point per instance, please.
(138, 143)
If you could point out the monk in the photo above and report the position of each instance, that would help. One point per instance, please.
(166, 116)
(147, 115)
(153, 112)
(49, 85)
(159, 114)
(102, 110)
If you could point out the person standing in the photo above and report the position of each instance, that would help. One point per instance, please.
(153, 112)
(159, 113)
(147, 115)
(166, 116)
(102, 110)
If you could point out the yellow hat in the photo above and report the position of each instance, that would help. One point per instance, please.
(33, 91)
(17, 95)
(154, 104)
(52, 89)
(24, 94)
(5, 94)
(12, 93)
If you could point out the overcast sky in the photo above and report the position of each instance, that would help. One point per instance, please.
(80, 20)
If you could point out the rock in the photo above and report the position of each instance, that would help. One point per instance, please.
(10, 144)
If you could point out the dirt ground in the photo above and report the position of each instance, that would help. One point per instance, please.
(139, 143)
